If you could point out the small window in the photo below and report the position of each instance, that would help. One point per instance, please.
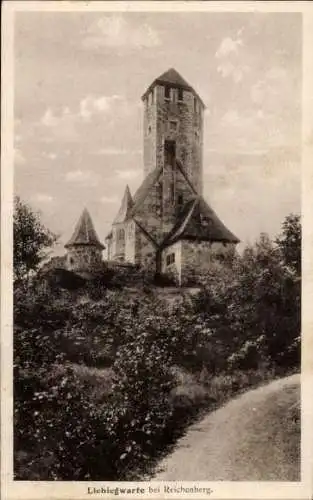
(174, 95)
(180, 200)
(173, 125)
(167, 92)
(170, 259)
(120, 234)
(180, 94)
(149, 130)
(152, 96)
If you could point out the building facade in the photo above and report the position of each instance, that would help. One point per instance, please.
(168, 226)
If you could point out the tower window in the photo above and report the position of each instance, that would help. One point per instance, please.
(174, 95)
(149, 130)
(167, 92)
(169, 152)
(180, 94)
(173, 125)
(180, 200)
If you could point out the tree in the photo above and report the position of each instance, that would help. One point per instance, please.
(31, 239)
(289, 242)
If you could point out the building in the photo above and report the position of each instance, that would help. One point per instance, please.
(84, 250)
(168, 226)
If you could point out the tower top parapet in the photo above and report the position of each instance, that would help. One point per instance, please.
(171, 77)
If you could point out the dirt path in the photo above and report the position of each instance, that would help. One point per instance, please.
(254, 437)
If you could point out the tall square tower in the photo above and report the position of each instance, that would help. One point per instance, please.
(173, 126)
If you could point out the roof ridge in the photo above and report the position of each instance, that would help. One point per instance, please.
(148, 235)
(138, 202)
(187, 218)
(182, 170)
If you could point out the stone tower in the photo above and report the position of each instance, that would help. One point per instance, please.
(84, 250)
(173, 127)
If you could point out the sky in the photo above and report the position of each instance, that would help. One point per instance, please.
(78, 135)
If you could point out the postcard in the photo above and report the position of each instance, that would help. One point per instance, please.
(157, 250)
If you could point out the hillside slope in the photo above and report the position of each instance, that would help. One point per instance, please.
(255, 437)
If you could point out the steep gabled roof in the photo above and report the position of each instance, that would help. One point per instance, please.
(198, 221)
(84, 233)
(172, 77)
(125, 208)
(143, 190)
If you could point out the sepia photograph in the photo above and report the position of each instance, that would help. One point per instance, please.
(156, 249)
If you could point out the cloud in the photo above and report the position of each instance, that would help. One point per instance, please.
(109, 199)
(62, 126)
(50, 156)
(228, 46)
(65, 125)
(48, 119)
(116, 31)
(42, 198)
(91, 105)
(117, 152)
(127, 174)
(276, 73)
(227, 68)
(231, 117)
(227, 55)
(85, 178)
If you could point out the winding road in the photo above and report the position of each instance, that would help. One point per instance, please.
(254, 437)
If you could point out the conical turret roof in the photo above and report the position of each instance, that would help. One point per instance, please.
(84, 233)
(125, 208)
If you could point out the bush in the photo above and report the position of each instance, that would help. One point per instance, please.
(106, 379)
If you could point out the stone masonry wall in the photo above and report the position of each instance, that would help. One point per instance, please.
(158, 212)
(130, 242)
(173, 269)
(118, 246)
(83, 258)
(145, 251)
(181, 121)
(149, 133)
(197, 257)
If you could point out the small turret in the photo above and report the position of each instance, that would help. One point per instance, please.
(84, 249)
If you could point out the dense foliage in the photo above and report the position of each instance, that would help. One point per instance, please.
(105, 380)
(31, 239)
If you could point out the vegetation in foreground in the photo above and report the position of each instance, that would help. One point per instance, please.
(106, 380)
